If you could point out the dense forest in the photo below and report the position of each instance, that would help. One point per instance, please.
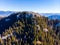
(29, 28)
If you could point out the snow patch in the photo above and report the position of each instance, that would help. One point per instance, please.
(4, 37)
(7, 19)
(17, 16)
(45, 29)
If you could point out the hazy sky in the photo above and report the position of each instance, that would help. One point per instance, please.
(41, 6)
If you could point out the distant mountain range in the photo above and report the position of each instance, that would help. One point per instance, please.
(49, 14)
(54, 17)
(5, 13)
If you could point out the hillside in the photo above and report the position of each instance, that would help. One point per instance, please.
(27, 28)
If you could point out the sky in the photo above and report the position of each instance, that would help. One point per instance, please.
(40, 6)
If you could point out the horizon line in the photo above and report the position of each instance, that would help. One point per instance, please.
(28, 11)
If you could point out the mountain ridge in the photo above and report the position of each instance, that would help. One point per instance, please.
(28, 28)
